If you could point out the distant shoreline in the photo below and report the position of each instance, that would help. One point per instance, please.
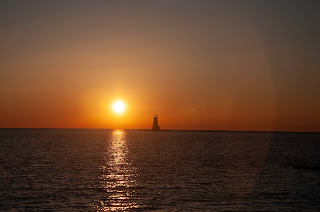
(170, 130)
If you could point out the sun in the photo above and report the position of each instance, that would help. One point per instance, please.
(118, 107)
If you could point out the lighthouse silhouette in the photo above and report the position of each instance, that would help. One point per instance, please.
(155, 126)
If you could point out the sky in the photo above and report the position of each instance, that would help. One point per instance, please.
(209, 65)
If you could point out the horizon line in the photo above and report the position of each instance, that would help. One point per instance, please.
(191, 130)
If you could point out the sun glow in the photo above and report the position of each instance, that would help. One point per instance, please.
(118, 107)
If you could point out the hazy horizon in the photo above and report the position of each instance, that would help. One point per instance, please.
(149, 129)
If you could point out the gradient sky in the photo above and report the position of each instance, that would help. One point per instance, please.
(219, 65)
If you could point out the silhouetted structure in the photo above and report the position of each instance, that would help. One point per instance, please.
(155, 126)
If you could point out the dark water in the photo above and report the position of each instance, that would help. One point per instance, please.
(106, 170)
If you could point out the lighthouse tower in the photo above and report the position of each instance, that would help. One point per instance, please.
(155, 126)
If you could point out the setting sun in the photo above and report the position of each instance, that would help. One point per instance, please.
(118, 107)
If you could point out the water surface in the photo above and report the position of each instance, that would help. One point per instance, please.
(114, 170)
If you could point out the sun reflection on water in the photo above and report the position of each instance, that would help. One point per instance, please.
(118, 180)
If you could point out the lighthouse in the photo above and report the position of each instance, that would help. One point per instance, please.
(155, 126)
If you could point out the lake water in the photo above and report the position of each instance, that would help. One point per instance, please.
(110, 170)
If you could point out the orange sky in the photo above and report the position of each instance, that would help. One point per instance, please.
(209, 65)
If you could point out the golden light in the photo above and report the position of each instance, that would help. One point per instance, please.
(118, 107)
